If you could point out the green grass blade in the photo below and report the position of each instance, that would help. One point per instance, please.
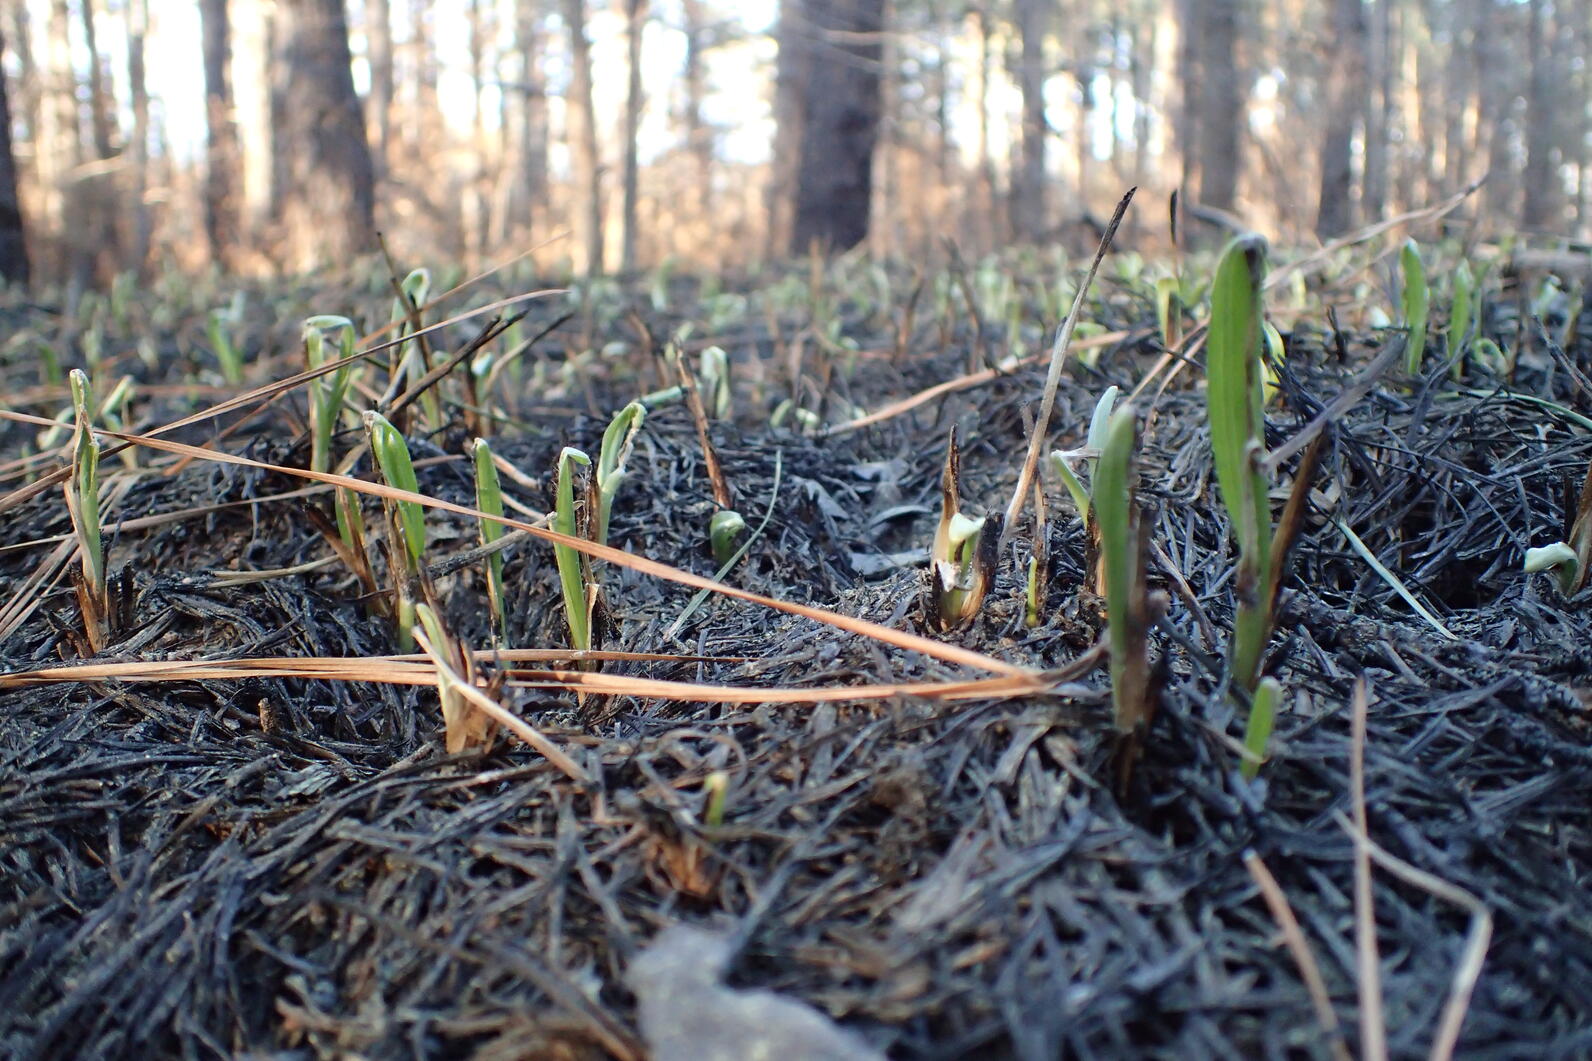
(489, 499)
(570, 576)
(1460, 312)
(1416, 303)
(618, 440)
(1113, 507)
(1262, 715)
(392, 457)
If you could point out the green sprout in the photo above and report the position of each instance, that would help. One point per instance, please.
(409, 358)
(1236, 400)
(723, 530)
(82, 504)
(406, 520)
(717, 785)
(571, 563)
(1571, 559)
(218, 328)
(326, 396)
(463, 724)
(713, 376)
(1416, 301)
(489, 499)
(1122, 556)
(1460, 313)
(1257, 733)
(1061, 460)
(959, 569)
(618, 440)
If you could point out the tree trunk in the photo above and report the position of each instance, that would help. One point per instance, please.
(791, 74)
(101, 109)
(221, 150)
(1345, 84)
(329, 209)
(1029, 213)
(137, 12)
(13, 245)
(840, 124)
(635, 24)
(581, 133)
(378, 35)
(1379, 110)
(1222, 95)
(698, 137)
(1543, 102)
(1188, 77)
(528, 197)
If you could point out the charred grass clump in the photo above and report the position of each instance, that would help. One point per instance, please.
(413, 726)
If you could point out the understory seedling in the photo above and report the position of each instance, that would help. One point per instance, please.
(1570, 559)
(724, 529)
(406, 521)
(1081, 490)
(326, 396)
(573, 576)
(82, 505)
(464, 725)
(1236, 411)
(962, 560)
(618, 440)
(489, 499)
(1460, 314)
(1257, 732)
(218, 329)
(408, 362)
(1122, 547)
(1416, 303)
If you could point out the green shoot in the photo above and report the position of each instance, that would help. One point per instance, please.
(618, 440)
(409, 358)
(1271, 363)
(571, 564)
(1416, 304)
(1262, 714)
(723, 530)
(717, 784)
(464, 726)
(1122, 554)
(960, 571)
(1169, 312)
(218, 328)
(1460, 313)
(1237, 424)
(326, 396)
(405, 519)
(713, 377)
(82, 504)
(1061, 459)
(1571, 560)
(489, 499)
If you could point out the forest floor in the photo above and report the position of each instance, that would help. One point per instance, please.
(292, 867)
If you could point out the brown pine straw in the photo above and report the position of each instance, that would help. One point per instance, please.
(900, 639)
(1299, 947)
(1373, 1030)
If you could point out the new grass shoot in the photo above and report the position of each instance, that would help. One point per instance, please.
(464, 726)
(489, 499)
(1571, 558)
(713, 377)
(572, 565)
(618, 440)
(1460, 315)
(1257, 732)
(962, 560)
(82, 504)
(218, 329)
(406, 520)
(1122, 545)
(1415, 299)
(1081, 489)
(409, 358)
(1236, 411)
(326, 396)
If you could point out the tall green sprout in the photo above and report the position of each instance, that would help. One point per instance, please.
(1461, 311)
(409, 357)
(618, 440)
(1123, 559)
(82, 502)
(571, 573)
(1416, 299)
(1236, 402)
(406, 519)
(489, 499)
(326, 395)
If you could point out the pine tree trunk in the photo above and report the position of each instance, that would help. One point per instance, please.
(840, 125)
(13, 244)
(221, 151)
(635, 24)
(329, 210)
(1221, 118)
(581, 133)
(378, 35)
(1345, 83)
(1029, 201)
(1544, 86)
(137, 12)
(698, 137)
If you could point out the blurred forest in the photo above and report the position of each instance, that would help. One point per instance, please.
(262, 136)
